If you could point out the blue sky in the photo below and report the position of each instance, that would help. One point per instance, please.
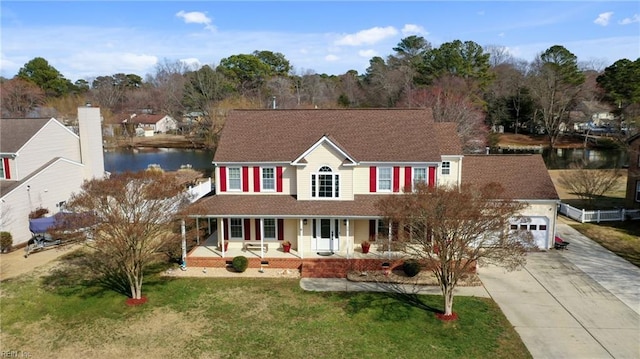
(85, 39)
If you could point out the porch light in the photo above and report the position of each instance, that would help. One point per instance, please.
(344, 221)
(304, 221)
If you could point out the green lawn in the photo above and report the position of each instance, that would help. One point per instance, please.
(63, 314)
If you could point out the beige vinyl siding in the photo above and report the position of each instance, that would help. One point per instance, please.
(324, 155)
(453, 178)
(361, 231)
(53, 140)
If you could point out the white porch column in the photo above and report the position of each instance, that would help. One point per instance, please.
(389, 236)
(300, 236)
(198, 230)
(348, 241)
(221, 236)
(262, 237)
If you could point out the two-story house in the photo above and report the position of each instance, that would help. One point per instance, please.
(42, 163)
(313, 177)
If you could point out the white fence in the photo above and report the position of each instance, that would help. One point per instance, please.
(598, 216)
(200, 190)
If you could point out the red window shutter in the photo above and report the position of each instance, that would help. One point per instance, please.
(247, 229)
(223, 179)
(396, 179)
(372, 230)
(225, 226)
(256, 179)
(372, 179)
(280, 229)
(408, 179)
(258, 232)
(7, 171)
(245, 179)
(279, 179)
(432, 176)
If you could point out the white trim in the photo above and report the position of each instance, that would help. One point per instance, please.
(322, 140)
(413, 176)
(241, 226)
(335, 177)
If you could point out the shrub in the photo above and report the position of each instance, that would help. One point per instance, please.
(6, 241)
(240, 263)
(411, 267)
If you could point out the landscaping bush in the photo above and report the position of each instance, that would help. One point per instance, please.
(240, 263)
(411, 267)
(6, 241)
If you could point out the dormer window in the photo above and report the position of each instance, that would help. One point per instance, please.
(325, 183)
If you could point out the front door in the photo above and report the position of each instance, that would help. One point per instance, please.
(326, 235)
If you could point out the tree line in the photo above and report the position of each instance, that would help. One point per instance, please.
(479, 88)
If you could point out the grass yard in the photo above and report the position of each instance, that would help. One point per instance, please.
(61, 313)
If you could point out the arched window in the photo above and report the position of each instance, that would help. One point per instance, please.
(325, 183)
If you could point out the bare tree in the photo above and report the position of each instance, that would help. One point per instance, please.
(450, 102)
(132, 215)
(589, 183)
(555, 85)
(451, 229)
(19, 97)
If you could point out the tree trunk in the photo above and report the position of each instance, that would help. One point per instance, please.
(447, 292)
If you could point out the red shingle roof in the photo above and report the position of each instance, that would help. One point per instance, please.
(521, 176)
(369, 135)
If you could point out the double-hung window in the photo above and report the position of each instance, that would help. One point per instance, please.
(235, 180)
(269, 225)
(325, 183)
(384, 179)
(419, 175)
(446, 168)
(2, 172)
(235, 228)
(268, 179)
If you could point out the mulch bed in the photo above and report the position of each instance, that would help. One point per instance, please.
(134, 302)
(398, 276)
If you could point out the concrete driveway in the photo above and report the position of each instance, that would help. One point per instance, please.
(580, 303)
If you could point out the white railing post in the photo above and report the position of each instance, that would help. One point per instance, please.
(623, 214)
(582, 216)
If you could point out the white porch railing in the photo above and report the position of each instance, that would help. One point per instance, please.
(598, 216)
(200, 190)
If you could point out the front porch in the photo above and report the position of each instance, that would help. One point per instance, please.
(309, 263)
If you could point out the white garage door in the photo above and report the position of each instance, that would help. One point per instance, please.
(539, 228)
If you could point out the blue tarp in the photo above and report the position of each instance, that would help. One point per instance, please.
(40, 225)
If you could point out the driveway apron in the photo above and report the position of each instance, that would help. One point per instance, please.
(579, 303)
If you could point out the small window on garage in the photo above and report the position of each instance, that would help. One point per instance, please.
(543, 227)
(533, 227)
(514, 227)
(524, 227)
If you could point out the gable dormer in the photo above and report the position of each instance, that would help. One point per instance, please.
(325, 171)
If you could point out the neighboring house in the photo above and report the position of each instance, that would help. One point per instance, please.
(43, 163)
(633, 173)
(151, 124)
(313, 177)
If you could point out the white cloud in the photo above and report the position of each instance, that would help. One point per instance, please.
(196, 17)
(367, 37)
(603, 19)
(412, 29)
(367, 53)
(501, 34)
(630, 20)
(331, 58)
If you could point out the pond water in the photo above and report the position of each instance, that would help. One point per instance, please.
(170, 159)
(562, 158)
